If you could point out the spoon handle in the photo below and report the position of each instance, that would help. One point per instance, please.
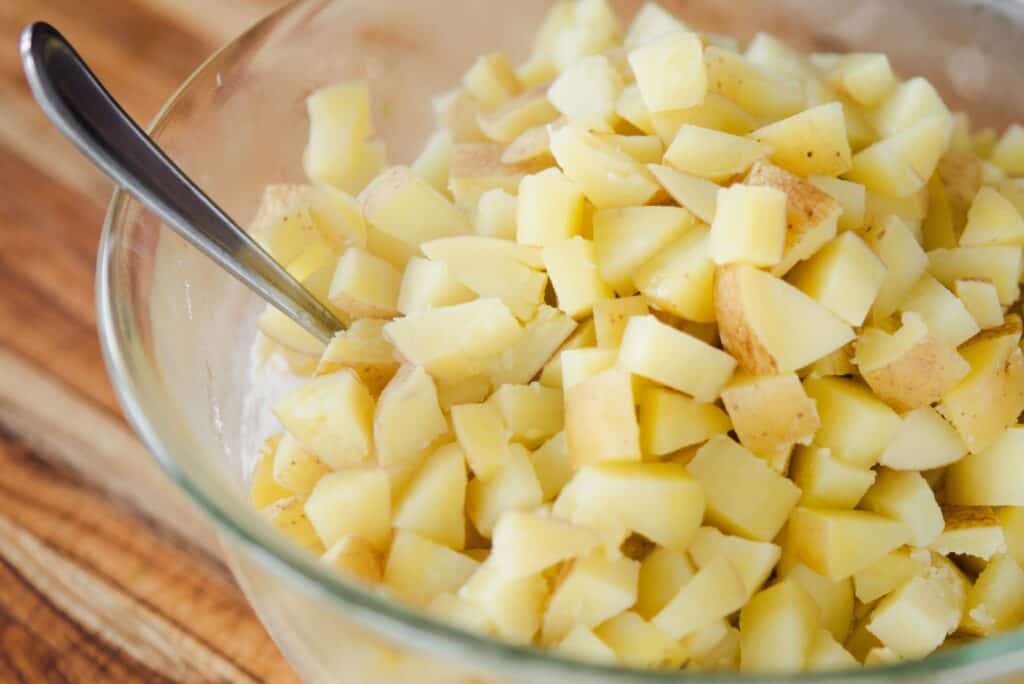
(74, 99)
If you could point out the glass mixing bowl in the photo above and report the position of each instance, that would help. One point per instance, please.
(177, 332)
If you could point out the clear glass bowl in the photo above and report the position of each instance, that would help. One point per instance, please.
(177, 331)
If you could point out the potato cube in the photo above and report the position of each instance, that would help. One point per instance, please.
(663, 572)
(774, 55)
(744, 495)
(855, 426)
(913, 101)
(280, 328)
(835, 600)
(723, 656)
(845, 276)
(365, 286)
(906, 497)
(405, 207)
(492, 80)
(469, 390)
(889, 573)
(435, 160)
(827, 482)
(337, 152)
(356, 558)
(670, 421)
(813, 142)
(651, 21)
(595, 28)
(658, 500)
(867, 77)
(711, 154)
(905, 262)
(611, 317)
(923, 441)
(626, 238)
(496, 212)
(331, 416)
(582, 644)
(631, 108)
(482, 435)
(572, 267)
(638, 643)
(264, 490)
(1000, 265)
(552, 466)
(527, 543)
(429, 285)
(408, 418)
(680, 278)
(607, 176)
(716, 113)
(1012, 520)
(477, 168)
(455, 342)
(389, 248)
(755, 311)
(550, 209)
(1008, 152)
(670, 71)
(990, 477)
(970, 530)
(752, 560)
(696, 194)
(296, 469)
(908, 369)
(419, 570)
(839, 543)
(980, 298)
(579, 365)
(532, 413)
(456, 111)
(287, 515)
(594, 589)
(459, 612)
(517, 115)
(852, 197)
(777, 629)
(533, 146)
(996, 601)
(515, 607)
(586, 93)
(753, 88)
(714, 592)
(992, 220)
(827, 654)
(432, 503)
(749, 226)
(540, 340)
(364, 349)
(513, 487)
(901, 164)
(351, 502)
(945, 316)
(770, 413)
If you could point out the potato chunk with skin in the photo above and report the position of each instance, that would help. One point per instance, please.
(672, 358)
(749, 226)
(595, 588)
(419, 570)
(827, 482)
(627, 238)
(777, 629)
(770, 413)
(845, 276)
(405, 207)
(839, 543)
(587, 92)
(407, 418)
(607, 176)
(712, 154)
(550, 209)
(909, 368)
(744, 496)
(670, 71)
(813, 142)
(670, 421)
(900, 165)
(923, 441)
(996, 601)
(513, 487)
(992, 220)
(994, 476)
(356, 558)
(754, 312)
(365, 286)
(714, 592)
(696, 194)
(680, 279)
(981, 300)
(351, 502)
(970, 530)
(572, 267)
(295, 469)
(287, 516)
(906, 496)
(524, 111)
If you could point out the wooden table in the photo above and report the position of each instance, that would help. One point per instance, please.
(106, 574)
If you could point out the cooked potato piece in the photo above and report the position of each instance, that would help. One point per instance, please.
(901, 164)
(680, 279)
(670, 421)
(513, 487)
(651, 21)
(456, 111)
(866, 77)
(408, 418)
(996, 601)
(744, 495)
(638, 643)
(607, 176)
(427, 285)
(435, 160)
(828, 654)
(855, 425)
(970, 530)
(481, 434)
(587, 92)
(827, 482)
(631, 108)
(288, 517)
(834, 599)
(749, 226)
(777, 629)
(550, 209)
(844, 276)
(496, 214)
(572, 267)
(770, 413)
(992, 220)
(716, 112)
(1008, 152)
(670, 71)
(594, 589)
(712, 154)
(492, 80)
(852, 197)
(909, 369)
(432, 502)
(980, 298)
(906, 496)
(337, 152)
(1012, 520)
(419, 570)
(945, 316)
(658, 352)
(773, 54)
(839, 543)
(813, 142)
(913, 101)
(294, 468)
(533, 146)
(460, 613)
(611, 317)
(889, 573)
(1000, 265)
(755, 311)
(365, 286)
(583, 644)
(364, 349)
(405, 207)
(527, 543)
(751, 87)
(923, 441)
(905, 262)
(264, 490)
(579, 365)
(993, 477)
(663, 572)
(714, 592)
(542, 336)
(600, 423)
(625, 239)
(356, 558)
(752, 560)
(696, 194)
(477, 168)
(532, 413)
(514, 607)
(517, 115)
(351, 502)
(280, 328)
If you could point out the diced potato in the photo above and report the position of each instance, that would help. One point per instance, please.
(625, 239)
(755, 311)
(672, 358)
(939, 227)
(866, 77)
(295, 469)
(658, 500)
(945, 316)
(714, 592)
(492, 80)
(996, 601)
(405, 207)
(1012, 520)
(594, 29)
(363, 348)
(845, 276)
(459, 612)
(527, 543)
(264, 490)
(351, 502)
(744, 495)
(550, 209)
(428, 285)
(468, 390)
(581, 643)
(515, 607)
(532, 413)
(280, 328)
(419, 570)
(723, 656)
(680, 278)
(670, 71)
(579, 365)
(980, 298)
(909, 369)
(712, 154)
(751, 87)
(827, 482)
(923, 441)
(834, 599)
(513, 487)
(696, 194)
(900, 165)
(541, 338)
(356, 558)
(331, 416)
(365, 286)
(889, 573)
(915, 100)
(749, 226)
(838, 363)
(662, 574)
(389, 248)
(408, 418)
(533, 146)
(992, 220)
(587, 92)
(517, 115)
(906, 496)
(670, 421)
(716, 112)
(651, 21)
(839, 543)
(1008, 152)
(852, 197)
(991, 396)
(455, 342)
(435, 160)
(813, 142)
(993, 477)
(828, 654)
(905, 262)
(1000, 265)
(773, 55)
(481, 434)
(770, 413)
(496, 212)
(971, 530)
(477, 168)
(777, 629)
(855, 425)
(607, 176)
(288, 516)
(456, 111)
(552, 466)
(432, 503)
(572, 268)
(594, 589)
(337, 152)
(638, 643)
(631, 108)
(752, 560)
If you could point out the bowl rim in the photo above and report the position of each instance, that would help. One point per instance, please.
(408, 627)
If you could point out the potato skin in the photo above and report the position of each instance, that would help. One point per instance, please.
(918, 378)
(737, 336)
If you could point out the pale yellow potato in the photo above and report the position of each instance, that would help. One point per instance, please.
(889, 573)
(867, 77)
(419, 570)
(477, 168)
(839, 543)
(827, 482)
(572, 267)
(459, 612)
(723, 656)
(996, 601)
(638, 643)
(913, 101)
(845, 276)
(663, 572)
(407, 208)
(906, 496)
(389, 248)
(631, 108)
(481, 434)
(496, 212)
(627, 238)
(752, 560)
(612, 315)
(716, 112)
(263, 489)
(670, 421)
(777, 629)
(835, 600)
(531, 413)
(492, 80)
(513, 487)
(587, 92)
(337, 152)
(776, 56)
(432, 502)
(646, 149)
(595, 28)
(753, 88)
(607, 176)
(970, 530)
(428, 284)
(905, 262)
(855, 425)
(992, 220)
(435, 160)
(698, 195)
(939, 227)
(365, 286)
(472, 389)
(1000, 265)
(549, 209)
(992, 477)
(331, 416)
(518, 114)
(670, 71)
(524, 544)
(456, 112)
(287, 516)
(770, 413)
(659, 352)
(923, 441)
(715, 591)
(900, 165)
(838, 363)
(532, 146)
(1008, 152)
(651, 21)
(960, 175)
(680, 279)
(980, 298)
(551, 466)
(356, 501)
(363, 348)
(583, 644)
(541, 338)
(594, 589)
(755, 313)
(712, 154)
(281, 329)
(828, 654)
(744, 496)
(513, 607)
(946, 317)
(1012, 520)
(296, 469)
(407, 418)
(813, 142)
(852, 197)
(579, 365)
(749, 226)
(355, 557)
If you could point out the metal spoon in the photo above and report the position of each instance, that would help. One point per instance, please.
(74, 99)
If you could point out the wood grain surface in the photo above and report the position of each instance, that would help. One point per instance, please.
(106, 573)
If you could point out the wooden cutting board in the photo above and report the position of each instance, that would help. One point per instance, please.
(106, 573)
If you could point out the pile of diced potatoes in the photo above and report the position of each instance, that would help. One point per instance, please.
(666, 352)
